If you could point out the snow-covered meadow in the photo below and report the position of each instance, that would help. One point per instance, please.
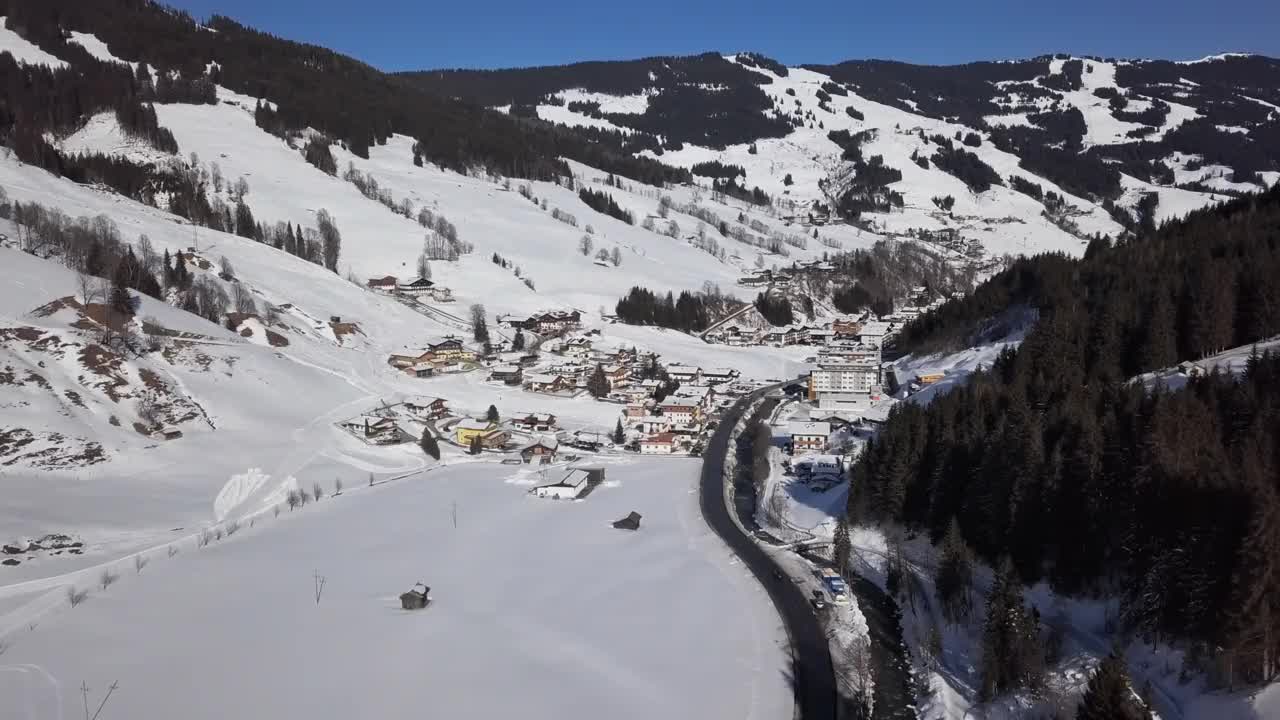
(540, 608)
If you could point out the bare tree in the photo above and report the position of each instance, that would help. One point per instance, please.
(243, 300)
(172, 551)
(337, 486)
(320, 581)
(615, 256)
(240, 190)
(330, 238)
(424, 266)
(316, 491)
(139, 562)
(75, 597)
(106, 579)
(585, 245)
(233, 527)
(228, 272)
(294, 499)
(88, 286)
(215, 175)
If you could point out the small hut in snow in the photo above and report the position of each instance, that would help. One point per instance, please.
(417, 598)
(630, 522)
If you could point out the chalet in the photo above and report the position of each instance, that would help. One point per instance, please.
(684, 373)
(547, 323)
(535, 422)
(635, 410)
(440, 293)
(576, 347)
(509, 374)
(846, 326)
(820, 336)
(417, 286)
(450, 349)
(759, 279)
(495, 439)
(383, 284)
(774, 336)
(661, 444)
(373, 428)
(796, 335)
(617, 375)
(168, 432)
(809, 436)
(543, 452)
(421, 370)
(701, 396)
(633, 393)
(427, 408)
(719, 376)
(926, 379)
(1191, 369)
(528, 360)
(548, 383)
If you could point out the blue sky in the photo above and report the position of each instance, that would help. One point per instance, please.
(409, 34)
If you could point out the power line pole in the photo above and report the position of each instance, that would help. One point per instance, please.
(455, 514)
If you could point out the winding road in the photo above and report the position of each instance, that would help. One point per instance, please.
(812, 673)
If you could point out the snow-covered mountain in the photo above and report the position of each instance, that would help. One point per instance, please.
(1103, 134)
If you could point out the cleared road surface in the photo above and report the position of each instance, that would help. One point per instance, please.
(813, 678)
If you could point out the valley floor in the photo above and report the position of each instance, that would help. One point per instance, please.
(540, 609)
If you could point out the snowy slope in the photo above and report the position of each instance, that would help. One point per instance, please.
(23, 50)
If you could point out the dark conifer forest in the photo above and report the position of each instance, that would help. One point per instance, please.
(1052, 458)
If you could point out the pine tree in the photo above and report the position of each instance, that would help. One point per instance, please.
(954, 575)
(1012, 655)
(492, 414)
(1109, 695)
(429, 445)
(619, 434)
(843, 547)
(598, 383)
(120, 300)
(519, 341)
(476, 445)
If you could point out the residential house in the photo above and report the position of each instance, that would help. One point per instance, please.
(719, 376)
(617, 375)
(509, 374)
(635, 410)
(875, 333)
(450, 349)
(578, 347)
(651, 424)
(809, 436)
(542, 452)
(373, 428)
(660, 444)
(681, 413)
(535, 422)
(548, 383)
(415, 287)
(847, 325)
(574, 484)
(427, 408)
(386, 284)
(470, 428)
(684, 373)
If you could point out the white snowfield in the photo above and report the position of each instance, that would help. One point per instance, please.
(23, 50)
(540, 609)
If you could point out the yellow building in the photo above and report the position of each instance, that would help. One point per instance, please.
(469, 428)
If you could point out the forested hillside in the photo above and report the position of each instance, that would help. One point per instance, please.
(1053, 459)
(312, 87)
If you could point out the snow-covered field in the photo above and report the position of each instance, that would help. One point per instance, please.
(540, 609)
